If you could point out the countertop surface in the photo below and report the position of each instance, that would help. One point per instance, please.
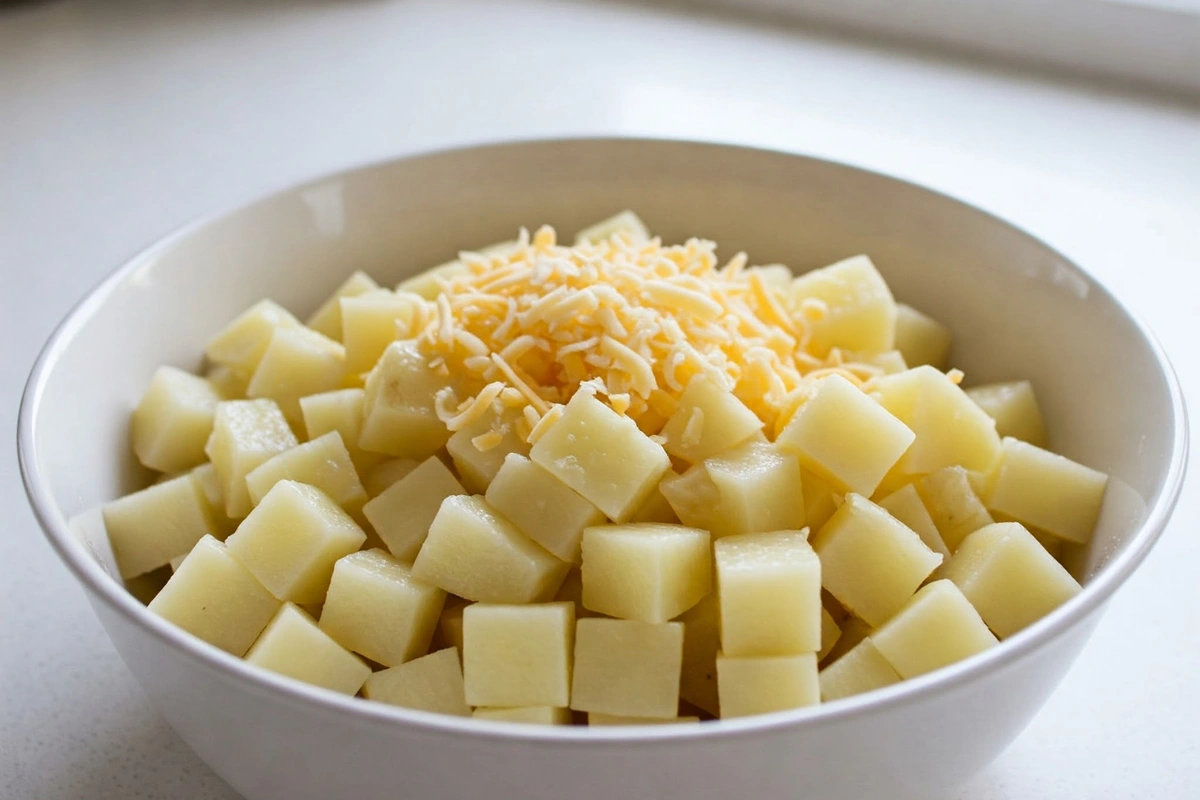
(120, 121)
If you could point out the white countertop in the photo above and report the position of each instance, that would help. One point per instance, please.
(120, 121)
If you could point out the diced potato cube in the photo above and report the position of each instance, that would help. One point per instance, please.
(1046, 490)
(212, 596)
(173, 420)
(473, 552)
(296, 363)
(399, 418)
(905, 504)
(245, 434)
(534, 715)
(655, 509)
(602, 456)
(844, 436)
(820, 500)
(770, 590)
(953, 505)
(921, 339)
(627, 667)
(1015, 408)
(937, 627)
(478, 468)
(1009, 577)
(830, 633)
(762, 684)
(701, 643)
(327, 319)
(427, 284)
(371, 322)
(860, 313)
(291, 540)
(241, 343)
(860, 670)
(294, 646)
(543, 507)
(386, 473)
(950, 429)
(518, 655)
(870, 561)
(376, 608)
(709, 420)
(148, 528)
(619, 719)
(645, 571)
(626, 223)
(854, 630)
(324, 463)
(340, 410)
(403, 512)
(429, 683)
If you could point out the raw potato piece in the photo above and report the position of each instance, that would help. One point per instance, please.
(376, 608)
(370, 322)
(323, 463)
(245, 434)
(399, 418)
(937, 627)
(149, 528)
(297, 362)
(921, 339)
(906, 505)
(473, 552)
(327, 319)
(627, 668)
(860, 670)
(241, 343)
(618, 719)
(1009, 577)
(860, 313)
(173, 420)
(870, 561)
(518, 655)
(291, 540)
(626, 223)
(429, 683)
(341, 411)
(1015, 408)
(477, 467)
(645, 571)
(542, 506)
(701, 643)
(764, 684)
(770, 590)
(403, 512)
(535, 715)
(953, 505)
(294, 646)
(844, 436)
(708, 421)
(1047, 491)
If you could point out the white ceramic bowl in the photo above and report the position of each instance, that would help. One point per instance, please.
(1018, 309)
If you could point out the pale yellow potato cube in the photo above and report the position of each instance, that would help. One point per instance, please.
(950, 428)
(246, 433)
(323, 462)
(627, 667)
(655, 509)
(701, 643)
(921, 339)
(533, 715)
(854, 630)
(478, 468)
(861, 669)
(241, 343)
(937, 627)
(870, 561)
(372, 321)
(173, 420)
(762, 684)
(709, 420)
(1048, 491)
(594, 718)
(229, 384)
(770, 590)
(820, 500)
(399, 417)
(625, 223)
(844, 436)
(1015, 408)
(212, 596)
(403, 512)
(294, 646)
(518, 655)
(340, 410)
(386, 473)
(292, 539)
(473, 552)
(296, 363)
(429, 683)
(327, 319)
(376, 608)
(543, 507)
(210, 489)
(830, 633)
(859, 311)
(602, 456)
(1009, 577)
(645, 571)
(953, 505)
(906, 505)
(428, 284)
(150, 527)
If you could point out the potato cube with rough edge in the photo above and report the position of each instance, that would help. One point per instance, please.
(212, 596)
(376, 608)
(402, 513)
(645, 571)
(323, 462)
(292, 539)
(751, 685)
(1015, 408)
(241, 343)
(626, 223)
(340, 410)
(859, 312)
(297, 362)
(627, 667)
(845, 437)
(371, 322)
(861, 669)
(921, 339)
(430, 683)
(708, 421)
(770, 590)
(1047, 491)
(327, 319)
(533, 715)
(245, 434)
(701, 643)
(543, 507)
(602, 456)
(518, 655)
(906, 505)
(173, 420)
(937, 627)
(150, 527)
(399, 418)
(830, 633)
(870, 561)
(478, 468)
(475, 553)
(294, 646)
(953, 505)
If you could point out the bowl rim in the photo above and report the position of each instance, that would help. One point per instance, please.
(113, 594)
